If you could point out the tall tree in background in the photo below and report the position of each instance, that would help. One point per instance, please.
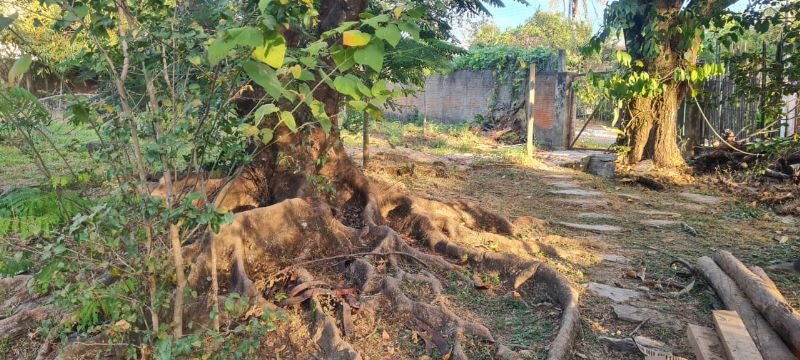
(662, 40)
(543, 29)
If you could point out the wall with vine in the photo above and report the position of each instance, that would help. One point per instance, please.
(510, 67)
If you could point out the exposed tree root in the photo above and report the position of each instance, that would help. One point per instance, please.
(298, 231)
(23, 321)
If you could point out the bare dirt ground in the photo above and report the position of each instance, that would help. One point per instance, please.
(609, 233)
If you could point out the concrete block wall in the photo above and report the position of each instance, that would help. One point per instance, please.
(461, 95)
(453, 99)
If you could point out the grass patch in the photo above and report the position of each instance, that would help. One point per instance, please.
(17, 162)
(511, 321)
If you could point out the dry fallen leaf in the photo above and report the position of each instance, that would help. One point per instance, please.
(385, 336)
(122, 325)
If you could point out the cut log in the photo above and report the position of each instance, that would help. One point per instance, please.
(784, 320)
(735, 339)
(705, 343)
(767, 340)
(763, 275)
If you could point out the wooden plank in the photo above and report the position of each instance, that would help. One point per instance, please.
(735, 339)
(705, 343)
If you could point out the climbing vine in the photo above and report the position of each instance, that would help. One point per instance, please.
(510, 67)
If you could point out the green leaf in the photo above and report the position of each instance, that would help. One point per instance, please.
(318, 110)
(357, 105)
(265, 77)
(374, 112)
(315, 47)
(81, 11)
(273, 51)
(80, 114)
(262, 6)
(288, 119)
(379, 88)
(5, 21)
(390, 33)
(347, 85)
(411, 28)
(345, 26)
(355, 38)
(343, 58)
(20, 67)
(362, 88)
(266, 135)
(265, 110)
(245, 36)
(306, 75)
(326, 124)
(375, 21)
(371, 55)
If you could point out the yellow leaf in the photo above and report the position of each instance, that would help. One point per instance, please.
(296, 71)
(355, 38)
(195, 60)
(250, 130)
(397, 11)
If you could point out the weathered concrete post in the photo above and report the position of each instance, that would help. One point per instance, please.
(529, 107)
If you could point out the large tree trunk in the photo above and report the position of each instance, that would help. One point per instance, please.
(653, 131)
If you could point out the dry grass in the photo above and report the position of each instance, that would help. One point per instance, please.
(514, 186)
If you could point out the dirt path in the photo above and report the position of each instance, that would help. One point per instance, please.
(618, 240)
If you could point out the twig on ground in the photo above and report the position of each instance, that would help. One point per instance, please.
(638, 327)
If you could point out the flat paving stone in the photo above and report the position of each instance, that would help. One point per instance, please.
(565, 184)
(659, 222)
(594, 215)
(614, 293)
(576, 192)
(700, 198)
(558, 176)
(636, 315)
(658, 213)
(616, 258)
(590, 227)
(630, 197)
(585, 201)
